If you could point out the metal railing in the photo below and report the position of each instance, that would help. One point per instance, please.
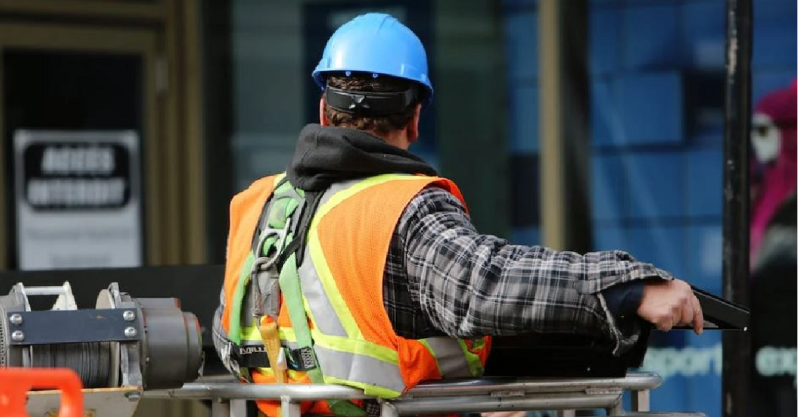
(468, 395)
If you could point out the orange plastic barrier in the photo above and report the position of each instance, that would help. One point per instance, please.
(16, 382)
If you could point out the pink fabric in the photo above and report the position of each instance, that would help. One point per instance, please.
(779, 178)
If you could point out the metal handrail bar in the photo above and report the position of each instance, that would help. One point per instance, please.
(465, 395)
(236, 390)
(463, 404)
(635, 381)
(497, 400)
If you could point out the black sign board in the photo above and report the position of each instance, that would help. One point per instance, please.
(78, 199)
(76, 175)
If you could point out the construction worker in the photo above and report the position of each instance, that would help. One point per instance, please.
(359, 266)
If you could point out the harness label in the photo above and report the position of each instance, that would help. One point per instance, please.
(249, 350)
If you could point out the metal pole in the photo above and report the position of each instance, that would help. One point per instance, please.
(289, 408)
(640, 400)
(736, 219)
(616, 410)
(388, 410)
(45, 290)
(220, 408)
(238, 408)
(564, 124)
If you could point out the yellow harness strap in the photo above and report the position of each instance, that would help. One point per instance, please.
(272, 344)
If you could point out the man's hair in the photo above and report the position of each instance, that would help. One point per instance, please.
(366, 82)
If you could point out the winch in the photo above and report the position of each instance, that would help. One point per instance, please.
(123, 341)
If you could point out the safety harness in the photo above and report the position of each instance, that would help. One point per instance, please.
(278, 243)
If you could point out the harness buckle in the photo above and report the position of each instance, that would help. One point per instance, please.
(266, 262)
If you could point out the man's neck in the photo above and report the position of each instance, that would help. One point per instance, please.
(396, 138)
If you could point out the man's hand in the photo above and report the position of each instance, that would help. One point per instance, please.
(671, 303)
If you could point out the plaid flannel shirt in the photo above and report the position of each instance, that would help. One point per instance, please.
(443, 277)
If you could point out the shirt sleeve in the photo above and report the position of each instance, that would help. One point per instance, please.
(623, 300)
(472, 285)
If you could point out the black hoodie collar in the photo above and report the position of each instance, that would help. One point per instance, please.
(325, 155)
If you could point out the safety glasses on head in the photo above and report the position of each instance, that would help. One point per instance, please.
(373, 104)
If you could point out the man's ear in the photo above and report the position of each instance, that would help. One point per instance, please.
(323, 120)
(412, 129)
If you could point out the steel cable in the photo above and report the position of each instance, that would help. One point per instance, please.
(90, 360)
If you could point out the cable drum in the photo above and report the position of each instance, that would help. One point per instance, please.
(92, 360)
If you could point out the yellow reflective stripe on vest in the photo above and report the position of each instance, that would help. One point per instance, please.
(449, 356)
(324, 272)
(373, 390)
(473, 360)
(318, 256)
(374, 376)
(433, 354)
(315, 300)
(360, 347)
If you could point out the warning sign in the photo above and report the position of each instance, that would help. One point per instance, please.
(78, 199)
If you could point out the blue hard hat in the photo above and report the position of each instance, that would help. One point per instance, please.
(376, 43)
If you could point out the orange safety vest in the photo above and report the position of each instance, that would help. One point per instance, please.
(341, 289)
